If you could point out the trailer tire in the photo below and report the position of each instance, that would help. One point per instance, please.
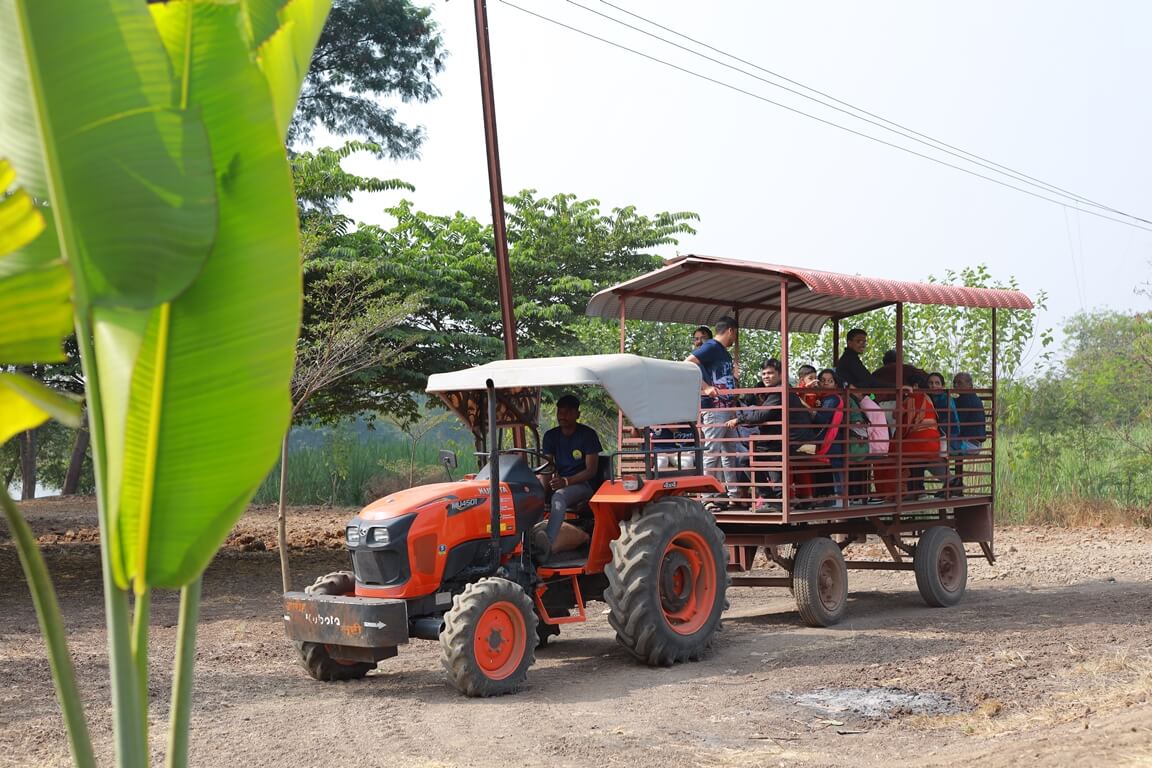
(485, 645)
(820, 582)
(941, 567)
(667, 581)
(322, 661)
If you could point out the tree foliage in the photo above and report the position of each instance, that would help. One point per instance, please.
(369, 50)
(561, 249)
(1105, 379)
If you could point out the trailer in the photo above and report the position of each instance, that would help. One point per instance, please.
(805, 508)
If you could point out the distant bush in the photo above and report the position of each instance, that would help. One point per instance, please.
(1092, 475)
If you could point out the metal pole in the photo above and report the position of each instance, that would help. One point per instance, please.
(495, 187)
(785, 420)
(995, 412)
(496, 194)
(898, 409)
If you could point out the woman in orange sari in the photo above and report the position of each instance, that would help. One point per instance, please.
(919, 442)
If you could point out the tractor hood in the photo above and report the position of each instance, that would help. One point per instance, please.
(408, 501)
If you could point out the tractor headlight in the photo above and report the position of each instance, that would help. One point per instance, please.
(352, 535)
(378, 536)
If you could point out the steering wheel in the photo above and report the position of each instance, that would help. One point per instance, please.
(546, 466)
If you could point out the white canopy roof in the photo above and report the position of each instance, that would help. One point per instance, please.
(648, 391)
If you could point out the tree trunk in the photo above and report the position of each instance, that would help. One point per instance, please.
(281, 522)
(28, 465)
(76, 463)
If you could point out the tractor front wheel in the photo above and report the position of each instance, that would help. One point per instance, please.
(485, 644)
(318, 658)
(667, 582)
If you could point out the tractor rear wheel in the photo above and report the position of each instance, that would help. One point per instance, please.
(318, 658)
(941, 567)
(667, 581)
(489, 638)
(820, 582)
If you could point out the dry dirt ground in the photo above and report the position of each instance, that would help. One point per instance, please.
(1047, 661)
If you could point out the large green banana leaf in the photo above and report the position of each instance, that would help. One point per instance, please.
(208, 396)
(92, 116)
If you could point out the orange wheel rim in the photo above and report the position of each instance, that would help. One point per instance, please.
(500, 640)
(687, 582)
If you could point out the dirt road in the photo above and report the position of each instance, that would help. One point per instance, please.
(1047, 661)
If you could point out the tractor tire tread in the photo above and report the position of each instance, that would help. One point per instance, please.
(633, 613)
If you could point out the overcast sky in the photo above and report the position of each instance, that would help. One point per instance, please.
(1056, 90)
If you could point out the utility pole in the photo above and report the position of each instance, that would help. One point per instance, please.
(495, 187)
(496, 194)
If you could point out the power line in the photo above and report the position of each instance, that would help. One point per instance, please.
(891, 125)
(819, 119)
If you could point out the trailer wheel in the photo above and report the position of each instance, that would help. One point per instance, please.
(318, 658)
(485, 644)
(667, 581)
(941, 567)
(820, 582)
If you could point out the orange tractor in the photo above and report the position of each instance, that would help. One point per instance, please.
(456, 561)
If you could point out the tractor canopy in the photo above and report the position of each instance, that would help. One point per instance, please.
(647, 391)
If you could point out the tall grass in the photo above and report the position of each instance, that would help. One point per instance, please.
(346, 470)
(1086, 477)
(1082, 477)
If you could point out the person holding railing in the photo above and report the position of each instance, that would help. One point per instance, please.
(971, 425)
(830, 443)
(723, 448)
(765, 415)
(919, 444)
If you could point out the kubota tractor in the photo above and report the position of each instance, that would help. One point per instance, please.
(455, 561)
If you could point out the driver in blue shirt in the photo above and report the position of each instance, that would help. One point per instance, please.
(574, 449)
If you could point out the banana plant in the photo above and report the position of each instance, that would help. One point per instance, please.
(151, 140)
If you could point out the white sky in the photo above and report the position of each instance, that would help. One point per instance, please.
(1057, 90)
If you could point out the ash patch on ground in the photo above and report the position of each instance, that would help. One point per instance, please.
(877, 703)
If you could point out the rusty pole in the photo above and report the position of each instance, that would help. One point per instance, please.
(495, 187)
(496, 194)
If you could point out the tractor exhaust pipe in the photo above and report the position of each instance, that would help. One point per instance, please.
(494, 475)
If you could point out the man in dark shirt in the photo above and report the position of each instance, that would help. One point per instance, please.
(850, 368)
(574, 449)
(723, 447)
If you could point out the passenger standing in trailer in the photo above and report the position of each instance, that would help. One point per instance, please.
(717, 376)
(850, 368)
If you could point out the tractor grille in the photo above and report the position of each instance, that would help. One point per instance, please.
(379, 567)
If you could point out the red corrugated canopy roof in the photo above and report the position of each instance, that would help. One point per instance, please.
(699, 290)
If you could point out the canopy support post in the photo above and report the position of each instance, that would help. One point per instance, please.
(785, 434)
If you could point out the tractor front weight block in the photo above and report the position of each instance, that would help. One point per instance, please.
(376, 625)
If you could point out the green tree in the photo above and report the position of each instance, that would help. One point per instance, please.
(950, 339)
(370, 50)
(562, 250)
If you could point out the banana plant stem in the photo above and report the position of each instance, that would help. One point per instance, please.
(181, 711)
(52, 627)
(131, 740)
(141, 615)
